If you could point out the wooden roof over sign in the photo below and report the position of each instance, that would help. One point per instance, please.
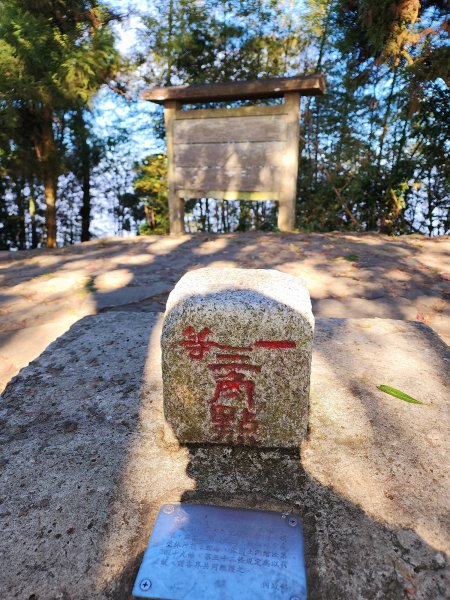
(306, 85)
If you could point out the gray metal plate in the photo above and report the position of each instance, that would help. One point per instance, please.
(201, 552)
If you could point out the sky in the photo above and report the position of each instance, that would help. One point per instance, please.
(113, 115)
(110, 110)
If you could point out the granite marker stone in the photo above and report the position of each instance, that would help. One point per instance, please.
(236, 355)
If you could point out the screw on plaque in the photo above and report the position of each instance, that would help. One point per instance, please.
(295, 598)
(168, 509)
(145, 584)
(292, 522)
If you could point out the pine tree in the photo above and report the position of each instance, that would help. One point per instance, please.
(55, 59)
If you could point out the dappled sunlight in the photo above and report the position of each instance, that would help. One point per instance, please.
(386, 456)
(221, 264)
(9, 260)
(332, 282)
(211, 246)
(82, 264)
(163, 245)
(359, 275)
(49, 292)
(112, 280)
(53, 283)
(30, 306)
(43, 288)
(362, 307)
(372, 464)
(19, 347)
(139, 259)
(438, 262)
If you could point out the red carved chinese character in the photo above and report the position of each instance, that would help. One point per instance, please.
(234, 365)
(222, 416)
(230, 385)
(275, 344)
(196, 343)
(233, 400)
(248, 425)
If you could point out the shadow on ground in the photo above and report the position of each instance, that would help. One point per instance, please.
(45, 292)
(87, 460)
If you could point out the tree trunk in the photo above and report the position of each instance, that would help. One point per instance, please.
(208, 216)
(32, 211)
(86, 208)
(169, 44)
(386, 116)
(324, 39)
(84, 167)
(50, 181)
(45, 147)
(21, 233)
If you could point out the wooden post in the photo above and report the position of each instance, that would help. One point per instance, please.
(288, 184)
(176, 203)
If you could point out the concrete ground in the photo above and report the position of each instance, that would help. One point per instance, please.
(86, 457)
(87, 460)
(366, 275)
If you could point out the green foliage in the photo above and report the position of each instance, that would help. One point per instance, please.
(218, 40)
(53, 59)
(373, 150)
(363, 143)
(57, 57)
(387, 389)
(150, 186)
(363, 150)
(392, 31)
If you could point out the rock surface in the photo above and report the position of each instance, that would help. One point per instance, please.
(348, 275)
(236, 357)
(86, 461)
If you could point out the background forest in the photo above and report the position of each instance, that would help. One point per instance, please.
(81, 156)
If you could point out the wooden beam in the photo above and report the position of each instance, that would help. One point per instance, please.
(256, 179)
(241, 111)
(270, 128)
(228, 195)
(244, 155)
(307, 85)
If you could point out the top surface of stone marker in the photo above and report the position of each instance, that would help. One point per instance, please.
(236, 352)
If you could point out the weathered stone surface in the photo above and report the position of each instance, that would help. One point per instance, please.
(348, 275)
(236, 355)
(86, 460)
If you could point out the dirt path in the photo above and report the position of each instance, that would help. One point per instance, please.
(366, 275)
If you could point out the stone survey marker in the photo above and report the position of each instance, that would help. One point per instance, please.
(236, 357)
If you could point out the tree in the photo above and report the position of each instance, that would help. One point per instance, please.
(373, 149)
(56, 57)
(86, 151)
(189, 42)
(150, 186)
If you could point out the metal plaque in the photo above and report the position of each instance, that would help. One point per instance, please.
(201, 552)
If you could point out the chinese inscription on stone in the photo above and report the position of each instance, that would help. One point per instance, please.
(236, 358)
(232, 404)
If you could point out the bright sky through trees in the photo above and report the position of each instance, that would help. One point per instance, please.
(373, 149)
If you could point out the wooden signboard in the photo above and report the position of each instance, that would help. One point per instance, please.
(246, 153)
